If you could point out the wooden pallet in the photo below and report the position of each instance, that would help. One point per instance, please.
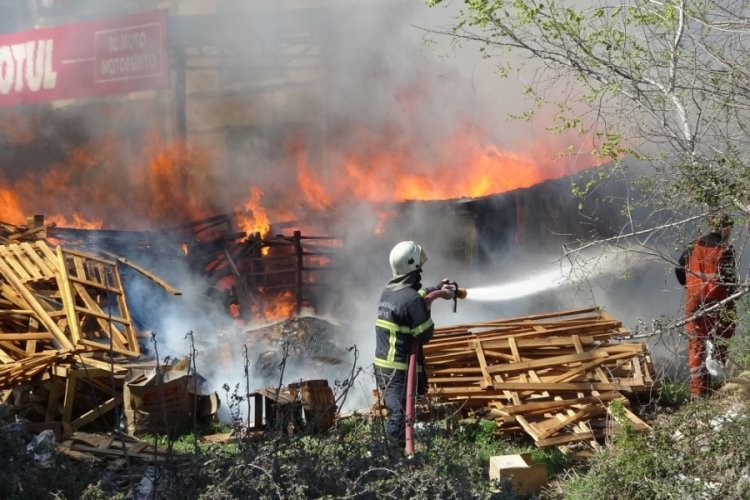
(114, 448)
(551, 375)
(58, 300)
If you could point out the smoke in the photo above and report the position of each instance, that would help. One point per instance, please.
(329, 118)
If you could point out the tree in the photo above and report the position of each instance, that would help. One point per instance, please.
(663, 81)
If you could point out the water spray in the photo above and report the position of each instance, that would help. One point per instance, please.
(542, 282)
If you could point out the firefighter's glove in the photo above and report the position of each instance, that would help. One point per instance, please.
(450, 290)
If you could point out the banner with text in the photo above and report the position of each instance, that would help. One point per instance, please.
(85, 59)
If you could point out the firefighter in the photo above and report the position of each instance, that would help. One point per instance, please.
(707, 270)
(403, 317)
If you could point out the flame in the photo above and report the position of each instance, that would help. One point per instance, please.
(153, 183)
(11, 207)
(254, 218)
(101, 184)
(466, 166)
(386, 166)
(280, 305)
(382, 217)
(177, 182)
(314, 192)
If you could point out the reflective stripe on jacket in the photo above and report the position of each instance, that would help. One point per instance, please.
(403, 317)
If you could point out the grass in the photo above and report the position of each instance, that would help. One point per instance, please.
(699, 450)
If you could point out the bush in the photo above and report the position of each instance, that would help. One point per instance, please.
(702, 451)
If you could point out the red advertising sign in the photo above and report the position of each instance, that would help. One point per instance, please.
(84, 59)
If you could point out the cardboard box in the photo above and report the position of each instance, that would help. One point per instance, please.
(526, 478)
(165, 401)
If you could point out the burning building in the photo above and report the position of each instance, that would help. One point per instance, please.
(265, 147)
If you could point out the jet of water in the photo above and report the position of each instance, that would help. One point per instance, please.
(538, 283)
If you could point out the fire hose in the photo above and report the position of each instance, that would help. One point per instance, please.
(455, 293)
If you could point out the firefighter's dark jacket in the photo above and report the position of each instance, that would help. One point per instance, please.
(726, 269)
(403, 317)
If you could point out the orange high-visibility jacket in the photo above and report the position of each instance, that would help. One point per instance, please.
(707, 271)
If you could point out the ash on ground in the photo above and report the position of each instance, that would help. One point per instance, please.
(312, 345)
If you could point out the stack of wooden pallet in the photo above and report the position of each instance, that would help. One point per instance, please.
(53, 302)
(554, 376)
(64, 319)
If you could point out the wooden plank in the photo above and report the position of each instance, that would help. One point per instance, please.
(597, 368)
(26, 336)
(13, 265)
(69, 398)
(499, 355)
(113, 367)
(105, 322)
(31, 344)
(544, 362)
(41, 313)
(41, 264)
(30, 232)
(89, 256)
(569, 374)
(101, 314)
(638, 424)
(48, 255)
(30, 266)
(5, 358)
(587, 411)
(528, 427)
(68, 299)
(452, 370)
(131, 337)
(514, 350)
(559, 403)
(531, 343)
(11, 348)
(106, 442)
(590, 311)
(169, 288)
(486, 378)
(13, 312)
(96, 413)
(557, 387)
(94, 284)
(571, 438)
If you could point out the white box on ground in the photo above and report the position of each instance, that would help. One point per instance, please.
(526, 478)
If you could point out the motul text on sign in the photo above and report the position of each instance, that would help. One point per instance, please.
(84, 59)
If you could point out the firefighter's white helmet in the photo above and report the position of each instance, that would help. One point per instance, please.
(406, 257)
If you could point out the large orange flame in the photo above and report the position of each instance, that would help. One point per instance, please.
(101, 186)
(253, 218)
(12, 211)
(281, 305)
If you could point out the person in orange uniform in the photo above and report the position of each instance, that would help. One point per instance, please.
(707, 270)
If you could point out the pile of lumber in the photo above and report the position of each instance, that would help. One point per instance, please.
(57, 302)
(65, 333)
(114, 449)
(553, 376)
(70, 299)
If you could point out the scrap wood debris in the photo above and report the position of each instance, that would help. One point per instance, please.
(114, 449)
(67, 339)
(61, 300)
(553, 376)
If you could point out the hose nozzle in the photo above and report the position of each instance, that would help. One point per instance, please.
(461, 293)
